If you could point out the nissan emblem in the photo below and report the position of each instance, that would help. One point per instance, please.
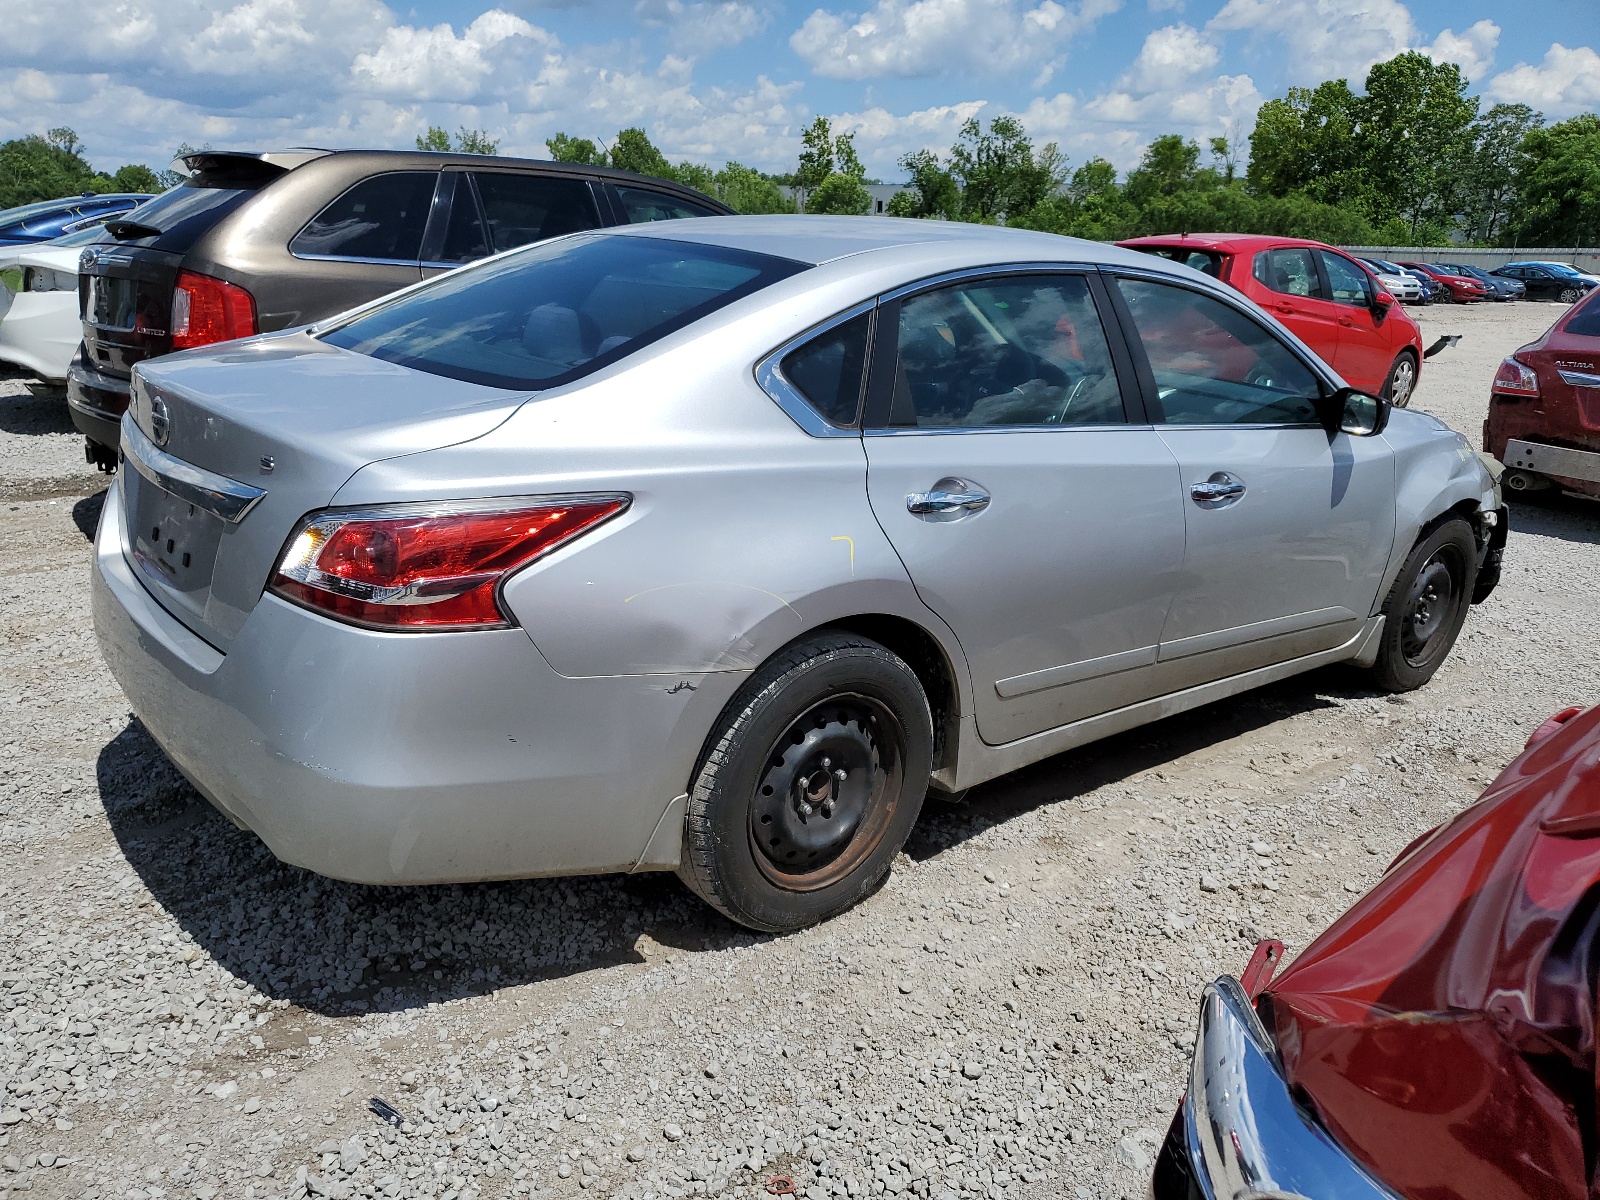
(160, 421)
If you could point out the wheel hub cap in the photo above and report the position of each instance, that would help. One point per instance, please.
(1428, 608)
(816, 789)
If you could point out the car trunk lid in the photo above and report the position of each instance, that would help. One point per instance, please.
(230, 448)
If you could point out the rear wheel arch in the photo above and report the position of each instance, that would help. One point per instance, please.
(925, 655)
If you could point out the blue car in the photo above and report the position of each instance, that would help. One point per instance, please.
(50, 218)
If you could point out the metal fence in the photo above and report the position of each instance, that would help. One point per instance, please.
(1583, 258)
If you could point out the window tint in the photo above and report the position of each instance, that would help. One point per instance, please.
(1291, 271)
(556, 312)
(529, 208)
(382, 217)
(829, 370)
(184, 213)
(1018, 351)
(1348, 282)
(1213, 365)
(642, 205)
(1206, 261)
(1585, 318)
(464, 238)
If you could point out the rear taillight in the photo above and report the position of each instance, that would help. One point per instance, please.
(1516, 379)
(206, 311)
(413, 567)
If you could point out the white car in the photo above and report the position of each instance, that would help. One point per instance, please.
(1404, 288)
(40, 326)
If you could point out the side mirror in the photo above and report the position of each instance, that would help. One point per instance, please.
(1354, 412)
(1382, 301)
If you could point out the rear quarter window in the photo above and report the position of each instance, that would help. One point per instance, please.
(1585, 318)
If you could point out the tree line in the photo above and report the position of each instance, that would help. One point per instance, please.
(1411, 159)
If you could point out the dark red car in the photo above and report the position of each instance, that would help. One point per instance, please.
(1327, 299)
(1463, 289)
(1438, 1041)
(1544, 407)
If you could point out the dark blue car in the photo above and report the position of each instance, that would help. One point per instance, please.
(50, 218)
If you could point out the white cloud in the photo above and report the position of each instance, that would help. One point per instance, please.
(706, 25)
(1333, 38)
(931, 37)
(1567, 82)
(1169, 56)
(435, 64)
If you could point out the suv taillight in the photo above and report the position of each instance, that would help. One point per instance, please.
(206, 311)
(433, 567)
(1516, 379)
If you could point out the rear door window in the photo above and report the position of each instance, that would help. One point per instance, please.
(647, 204)
(380, 218)
(553, 313)
(520, 209)
(1213, 365)
(829, 371)
(1348, 282)
(1291, 270)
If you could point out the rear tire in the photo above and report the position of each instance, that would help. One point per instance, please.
(810, 784)
(1426, 607)
(1402, 381)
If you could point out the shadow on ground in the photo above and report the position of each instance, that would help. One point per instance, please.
(1558, 515)
(29, 415)
(86, 513)
(338, 948)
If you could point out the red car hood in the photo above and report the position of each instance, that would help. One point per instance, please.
(1444, 1028)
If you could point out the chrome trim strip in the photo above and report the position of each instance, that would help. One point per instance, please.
(1580, 378)
(1221, 639)
(1077, 672)
(988, 269)
(770, 377)
(1246, 1137)
(217, 494)
(304, 256)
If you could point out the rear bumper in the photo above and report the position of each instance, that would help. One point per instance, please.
(406, 758)
(96, 401)
(1239, 1132)
(1558, 462)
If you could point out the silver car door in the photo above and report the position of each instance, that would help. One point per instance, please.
(1033, 516)
(1289, 527)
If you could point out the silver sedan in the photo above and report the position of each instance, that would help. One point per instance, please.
(713, 547)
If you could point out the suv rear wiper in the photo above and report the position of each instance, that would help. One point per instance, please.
(131, 229)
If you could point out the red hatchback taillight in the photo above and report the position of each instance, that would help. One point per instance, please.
(1516, 378)
(436, 567)
(206, 311)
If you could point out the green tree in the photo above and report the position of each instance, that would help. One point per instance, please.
(1171, 164)
(1489, 183)
(816, 155)
(830, 175)
(468, 141)
(634, 151)
(696, 175)
(565, 148)
(933, 191)
(1558, 184)
(135, 177)
(1415, 137)
(39, 168)
(749, 191)
(1307, 142)
(999, 175)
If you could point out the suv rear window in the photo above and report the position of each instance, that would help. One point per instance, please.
(181, 215)
(557, 311)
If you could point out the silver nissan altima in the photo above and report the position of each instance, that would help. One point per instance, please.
(713, 546)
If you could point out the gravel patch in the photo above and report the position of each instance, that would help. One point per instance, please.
(1010, 1016)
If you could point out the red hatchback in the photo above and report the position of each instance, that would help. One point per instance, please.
(1324, 297)
(1544, 407)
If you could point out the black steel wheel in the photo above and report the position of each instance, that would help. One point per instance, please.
(1426, 606)
(809, 785)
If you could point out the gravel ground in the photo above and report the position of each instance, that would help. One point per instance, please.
(181, 1015)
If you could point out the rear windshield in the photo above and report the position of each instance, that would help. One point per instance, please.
(181, 215)
(1208, 262)
(1585, 318)
(551, 313)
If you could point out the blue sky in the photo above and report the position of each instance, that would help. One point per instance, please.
(718, 79)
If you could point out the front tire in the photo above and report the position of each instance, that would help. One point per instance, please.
(1402, 380)
(811, 783)
(1426, 607)
(1571, 295)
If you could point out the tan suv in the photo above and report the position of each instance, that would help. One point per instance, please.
(253, 242)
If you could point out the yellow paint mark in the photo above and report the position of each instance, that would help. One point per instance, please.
(713, 583)
(852, 541)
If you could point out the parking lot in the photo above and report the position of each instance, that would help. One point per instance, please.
(181, 1015)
